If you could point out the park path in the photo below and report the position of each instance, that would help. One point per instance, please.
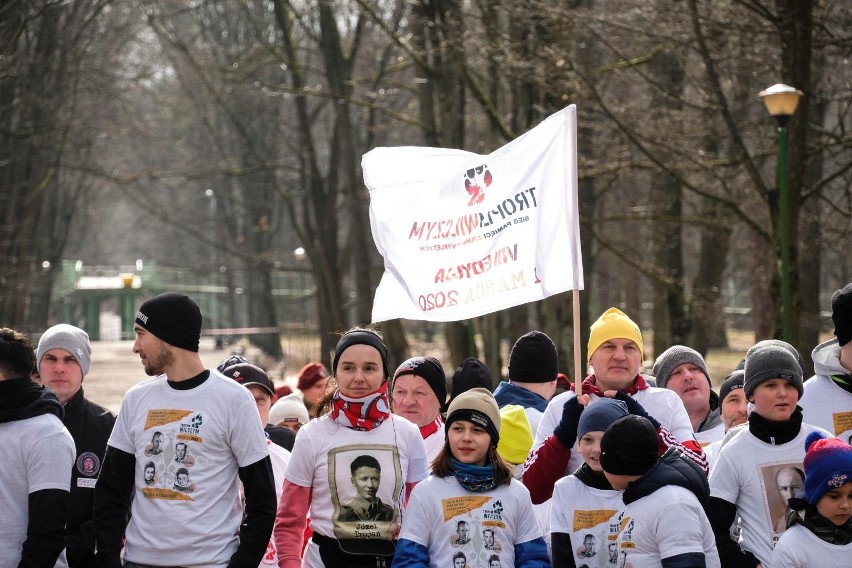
(115, 368)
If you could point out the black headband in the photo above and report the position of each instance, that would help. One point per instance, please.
(361, 337)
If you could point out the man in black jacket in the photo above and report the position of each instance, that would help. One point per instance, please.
(36, 469)
(64, 356)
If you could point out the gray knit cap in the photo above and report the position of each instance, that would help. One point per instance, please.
(672, 358)
(72, 339)
(768, 360)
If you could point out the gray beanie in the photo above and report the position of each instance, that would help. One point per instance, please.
(768, 360)
(672, 358)
(72, 339)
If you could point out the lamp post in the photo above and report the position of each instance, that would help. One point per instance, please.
(781, 102)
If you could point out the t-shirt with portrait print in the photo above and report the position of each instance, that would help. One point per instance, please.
(188, 446)
(481, 529)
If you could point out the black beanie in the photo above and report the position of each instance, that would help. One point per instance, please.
(172, 317)
(629, 446)
(472, 374)
(767, 360)
(430, 370)
(361, 336)
(533, 359)
(732, 382)
(841, 314)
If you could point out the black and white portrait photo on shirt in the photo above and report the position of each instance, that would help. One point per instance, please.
(366, 487)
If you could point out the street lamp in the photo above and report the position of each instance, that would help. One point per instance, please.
(781, 102)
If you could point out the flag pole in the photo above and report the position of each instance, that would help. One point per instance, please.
(578, 373)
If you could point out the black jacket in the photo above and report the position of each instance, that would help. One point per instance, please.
(90, 425)
(673, 468)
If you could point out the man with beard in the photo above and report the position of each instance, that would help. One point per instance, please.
(185, 402)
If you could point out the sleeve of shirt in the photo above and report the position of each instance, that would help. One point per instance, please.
(526, 525)
(558, 510)
(121, 437)
(256, 528)
(247, 438)
(290, 520)
(545, 466)
(300, 470)
(418, 469)
(686, 516)
(784, 555)
(415, 523)
(550, 419)
(532, 554)
(409, 554)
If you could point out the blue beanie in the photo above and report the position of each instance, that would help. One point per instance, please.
(828, 465)
(598, 416)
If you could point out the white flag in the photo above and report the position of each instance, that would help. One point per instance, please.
(464, 234)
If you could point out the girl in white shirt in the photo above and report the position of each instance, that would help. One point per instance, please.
(470, 511)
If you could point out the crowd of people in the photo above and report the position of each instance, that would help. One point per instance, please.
(370, 465)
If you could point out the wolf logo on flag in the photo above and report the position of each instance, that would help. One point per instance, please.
(475, 182)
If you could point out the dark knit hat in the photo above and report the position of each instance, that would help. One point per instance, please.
(361, 336)
(172, 317)
(471, 374)
(733, 381)
(533, 359)
(247, 374)
(629, 446)
(768, 360)
(479, 407)
(69, 338)
(430, 370)
(232, 360)
(828, 465)
(841, 314)
(311, 374)
(672, 358)
(599, 416)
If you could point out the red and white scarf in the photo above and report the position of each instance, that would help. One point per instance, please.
(362, 413)
(432, 427)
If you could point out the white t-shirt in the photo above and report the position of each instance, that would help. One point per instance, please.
(800, 548)
(828, 406)
(196, 439)
(322, 459)
(745, 474)
(39, 455)
(434, 443)
(662, 404)
(589, 516)
(279, 457)
(449, 520)
(714, 434)
(666, 523)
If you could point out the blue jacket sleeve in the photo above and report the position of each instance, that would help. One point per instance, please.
(409, 554)
(532, 554)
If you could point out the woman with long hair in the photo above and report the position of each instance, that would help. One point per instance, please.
(352, 467)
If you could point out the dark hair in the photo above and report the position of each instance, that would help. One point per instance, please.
(151, 465)
(459, 554)
(182, 471)
(441, 466)
(325, 404)
(17, 356)
(365, 460)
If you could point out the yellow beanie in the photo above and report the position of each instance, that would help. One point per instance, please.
(516, 437)
(614, 324)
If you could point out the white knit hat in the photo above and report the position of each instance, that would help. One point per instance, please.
(288, 409)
